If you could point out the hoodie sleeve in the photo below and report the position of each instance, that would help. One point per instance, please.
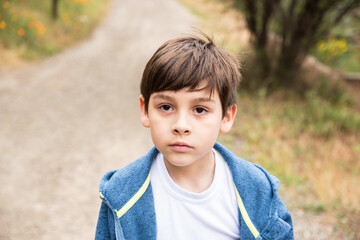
(284, 215)
(105, 229)
(280, 226)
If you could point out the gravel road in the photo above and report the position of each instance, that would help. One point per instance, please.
(66, 121)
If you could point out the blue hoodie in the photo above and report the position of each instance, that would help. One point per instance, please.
(127, 210)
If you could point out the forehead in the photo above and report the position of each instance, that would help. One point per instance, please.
(199, 94)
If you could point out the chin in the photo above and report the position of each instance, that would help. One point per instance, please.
(179, 163)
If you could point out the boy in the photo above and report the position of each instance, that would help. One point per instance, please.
(188, 186)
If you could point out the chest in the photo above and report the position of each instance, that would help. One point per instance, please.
(180, 214)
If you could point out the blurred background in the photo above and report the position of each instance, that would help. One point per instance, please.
(69, 79)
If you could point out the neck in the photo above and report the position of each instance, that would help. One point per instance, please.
(196, 177)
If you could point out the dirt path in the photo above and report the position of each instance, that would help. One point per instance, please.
(68, 120)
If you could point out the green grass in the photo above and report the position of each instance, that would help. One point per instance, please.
(317, 207)
(320, 117)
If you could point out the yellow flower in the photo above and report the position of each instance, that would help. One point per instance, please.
(6, 5)
(333, 47)
(21, 32)
(40, 28)
(2, 24)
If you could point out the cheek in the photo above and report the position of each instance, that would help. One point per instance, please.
(209, 130)
(157, 122)
(157, 136)
(211, 123)
(158, 127)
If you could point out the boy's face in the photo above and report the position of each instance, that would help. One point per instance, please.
(185, 124)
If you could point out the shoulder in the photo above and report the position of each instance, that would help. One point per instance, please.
(117, 185)
(248, 174)
(258, 190)
(254, 184)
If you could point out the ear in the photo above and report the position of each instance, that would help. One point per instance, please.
(144, 115)
(228, 119)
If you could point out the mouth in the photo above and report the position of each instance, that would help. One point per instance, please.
(180, 147)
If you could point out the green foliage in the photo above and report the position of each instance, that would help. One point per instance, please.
(327, 118)
(27, 27)
(341, 49)
(347, 61)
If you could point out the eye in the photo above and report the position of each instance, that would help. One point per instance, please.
(165, 108)
(200, 110)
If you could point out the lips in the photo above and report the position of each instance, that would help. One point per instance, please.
(180, 147)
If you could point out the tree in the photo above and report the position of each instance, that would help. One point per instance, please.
(299, 24)
(54, 9)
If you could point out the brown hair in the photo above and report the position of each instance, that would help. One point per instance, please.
(187, 62)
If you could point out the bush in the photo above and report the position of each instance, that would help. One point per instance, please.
(19, 25)
(27, 27)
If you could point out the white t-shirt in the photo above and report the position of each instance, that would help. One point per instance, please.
(184, 215)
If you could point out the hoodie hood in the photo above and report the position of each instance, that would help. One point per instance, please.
(258, 191)
(119, 186)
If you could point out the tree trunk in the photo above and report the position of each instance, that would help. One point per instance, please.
(54, 9)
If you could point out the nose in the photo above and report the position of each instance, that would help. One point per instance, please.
(181, 124)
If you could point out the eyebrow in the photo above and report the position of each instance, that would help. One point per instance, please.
(162, 96)
(199, 99)
(202, 99)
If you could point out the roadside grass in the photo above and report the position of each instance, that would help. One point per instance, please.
(319, 171)
(27, 31)
(279, 132)
(311, 144)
